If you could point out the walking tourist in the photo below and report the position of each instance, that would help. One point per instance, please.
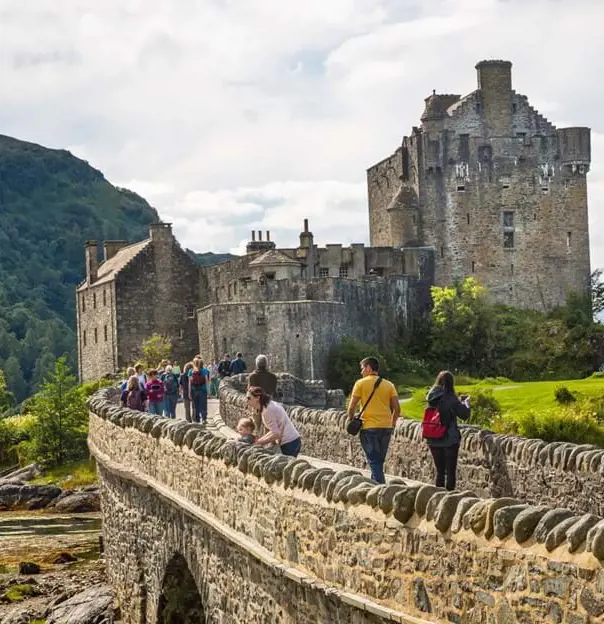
(440, 428)
(155, 394)
(224, 366)
(279, 428)
(140, 373)
(214, 378)
(129, 372)
(198, 390)
(238, 366)
(262, 377)
(176, 368)
(133, 397)
(246, 428)
(186, 394)
(381, 409)
(161, 367)
(170, 381)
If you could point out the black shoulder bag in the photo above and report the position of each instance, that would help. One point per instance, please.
(354, 425)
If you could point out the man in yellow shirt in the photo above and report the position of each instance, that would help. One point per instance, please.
(379, 416)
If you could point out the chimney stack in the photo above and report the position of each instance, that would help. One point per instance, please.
(110, 248)
(92, 261)
(253, 236)
(259, 235)
(305, 225)
(160, 231)
(495, 84)
(268, 235)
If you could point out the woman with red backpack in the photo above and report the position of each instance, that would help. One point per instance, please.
(198, 390)
(440, 428)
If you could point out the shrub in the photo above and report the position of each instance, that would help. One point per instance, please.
(343, 363)
(564, 396)
(485, 408)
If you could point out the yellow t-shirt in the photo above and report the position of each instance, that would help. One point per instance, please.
(378, 414)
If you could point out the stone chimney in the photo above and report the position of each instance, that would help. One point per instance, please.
(92, 261)
(160, 232)
(110, 248)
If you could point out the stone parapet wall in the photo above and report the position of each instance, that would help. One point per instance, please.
(556, 473)
(401, 548)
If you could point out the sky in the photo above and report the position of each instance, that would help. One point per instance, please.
(233, 115)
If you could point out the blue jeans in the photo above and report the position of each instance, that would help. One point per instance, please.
(156, 407)
(170, 401)
(375, 445)
(292, 448)
(200, 406)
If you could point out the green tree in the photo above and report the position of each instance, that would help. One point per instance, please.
(61, 417)
(597, 292)
(14, 378)
(7, 398)
(155, 349)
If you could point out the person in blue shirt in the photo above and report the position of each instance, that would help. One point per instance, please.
(238, 365)
(199, 379)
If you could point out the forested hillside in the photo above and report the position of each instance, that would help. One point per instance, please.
(50, 204)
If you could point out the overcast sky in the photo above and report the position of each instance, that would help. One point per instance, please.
(232, 115)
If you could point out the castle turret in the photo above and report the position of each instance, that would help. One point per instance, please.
(495, 85)
(575, 148)
(92, 261)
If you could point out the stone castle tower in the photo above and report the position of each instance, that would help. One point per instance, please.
(494, 188)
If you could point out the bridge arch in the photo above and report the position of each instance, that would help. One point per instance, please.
(179, 600)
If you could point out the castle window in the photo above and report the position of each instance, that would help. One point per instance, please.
(566, 183)
(96, 335)
(234, 288)
(261, 320)
(414, 219)
(270, 276)
(83, 303)
(94, 300)
(511, 269)
(477, 107)
(442, 252)
(84, 337)
(106, 333)
(468, 218)
(230, 288)
(464, 147)
(508, 219)
(181, 333)
(514, 107)
(191, 312)
(343, 271)
(505, 182)
(104, 296)
(568, 239)
(508, 240)
(323, 272)
(461, 188)
(473, 266)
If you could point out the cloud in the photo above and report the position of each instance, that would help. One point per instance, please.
(231, 115)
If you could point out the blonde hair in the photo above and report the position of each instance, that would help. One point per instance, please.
(130, 371)
(247, 423)
(133, 383)
(188, 367)
(197, 362)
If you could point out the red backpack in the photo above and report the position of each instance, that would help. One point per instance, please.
(432, 428)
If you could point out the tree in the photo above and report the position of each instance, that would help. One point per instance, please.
(61, 417)
(14, 378)
(155, 349)
(597, 293)
(7, 398)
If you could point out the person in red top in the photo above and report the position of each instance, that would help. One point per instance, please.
(154, 389)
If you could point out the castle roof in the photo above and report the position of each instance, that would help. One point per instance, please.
(273, 257)
(109, 269)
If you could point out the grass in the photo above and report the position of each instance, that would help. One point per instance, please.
(70, 476)
(515, 398)
(16, 593)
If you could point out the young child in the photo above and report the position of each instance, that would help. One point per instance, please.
(155, 394)
(245, 428)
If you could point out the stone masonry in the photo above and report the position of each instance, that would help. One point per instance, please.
(274, 539)
(495, 189)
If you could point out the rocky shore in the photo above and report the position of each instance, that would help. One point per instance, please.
(51, 566)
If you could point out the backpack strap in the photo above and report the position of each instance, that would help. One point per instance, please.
(375, 387)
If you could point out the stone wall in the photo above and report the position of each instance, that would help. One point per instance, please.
(556, 473)
(362, 552)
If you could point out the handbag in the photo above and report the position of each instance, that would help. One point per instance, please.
(354, 425)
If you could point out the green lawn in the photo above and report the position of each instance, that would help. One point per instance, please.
(69, 476)
(515, 397)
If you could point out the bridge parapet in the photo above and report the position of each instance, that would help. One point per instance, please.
(274, 539)
(558, 474)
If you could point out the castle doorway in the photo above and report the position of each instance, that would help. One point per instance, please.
(179, 602)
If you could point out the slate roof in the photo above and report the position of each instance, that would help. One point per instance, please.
(108, 270)
(274, 257)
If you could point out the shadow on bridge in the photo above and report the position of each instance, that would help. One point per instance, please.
(180, 602)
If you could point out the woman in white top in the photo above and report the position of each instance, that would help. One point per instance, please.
(276, 422)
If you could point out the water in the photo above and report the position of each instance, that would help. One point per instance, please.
(75, 524)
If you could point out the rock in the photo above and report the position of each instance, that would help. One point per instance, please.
(549, 521)
(558, 534)
(476, 518)
(447, 508)
(592, 603)
(493, 507)
(403, 504)
(88, 607)
(13, 496)
(503, 520)
(526, 521)
(22, 474)
(64, 557)
(577, 534)
(79, 502)
(595, 540)
(433, 504)
(386, 497)
(462, 508)
(424, 494)
(29, 567)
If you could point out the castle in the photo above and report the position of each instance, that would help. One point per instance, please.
(485, 187)
(495, 189)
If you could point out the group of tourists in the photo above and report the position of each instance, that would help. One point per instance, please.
(375, 422)
(159, 390)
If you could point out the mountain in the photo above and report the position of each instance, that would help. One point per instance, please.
(209, 257)
(50, 203)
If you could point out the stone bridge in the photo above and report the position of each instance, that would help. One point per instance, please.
(198, 528)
